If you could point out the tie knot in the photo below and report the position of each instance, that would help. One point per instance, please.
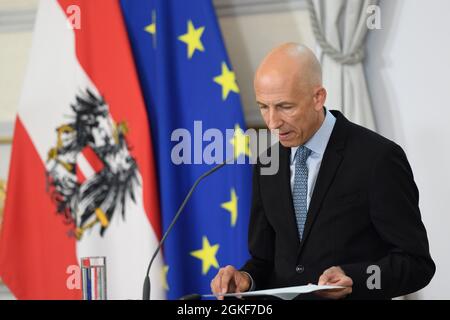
(302, 154)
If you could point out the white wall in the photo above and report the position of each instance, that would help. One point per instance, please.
(408, 71)
(15, 43)
(14, 49)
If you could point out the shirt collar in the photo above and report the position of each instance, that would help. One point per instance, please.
(319, 141)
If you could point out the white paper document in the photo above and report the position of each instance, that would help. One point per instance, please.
(288, 293)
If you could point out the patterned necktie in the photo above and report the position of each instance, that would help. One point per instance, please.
(300, 191)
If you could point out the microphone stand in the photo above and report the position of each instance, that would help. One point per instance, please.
(147, 285)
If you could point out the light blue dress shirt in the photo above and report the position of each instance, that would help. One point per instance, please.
(317, 144)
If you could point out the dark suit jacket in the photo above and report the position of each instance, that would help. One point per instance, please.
(364, 211)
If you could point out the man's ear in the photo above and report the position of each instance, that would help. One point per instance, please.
(320, 97)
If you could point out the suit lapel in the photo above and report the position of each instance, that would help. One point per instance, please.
(331, 161)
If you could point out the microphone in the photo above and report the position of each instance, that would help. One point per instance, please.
(147, 285)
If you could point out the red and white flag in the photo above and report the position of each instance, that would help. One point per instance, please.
(82, 180)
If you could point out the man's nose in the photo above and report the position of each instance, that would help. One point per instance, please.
(274, 120)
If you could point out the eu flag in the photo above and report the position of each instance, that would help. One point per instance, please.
(189, 84)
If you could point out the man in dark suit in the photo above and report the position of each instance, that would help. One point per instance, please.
(343, 206)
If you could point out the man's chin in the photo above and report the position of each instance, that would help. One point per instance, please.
(288, 144)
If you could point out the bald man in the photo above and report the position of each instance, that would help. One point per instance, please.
(342, 208)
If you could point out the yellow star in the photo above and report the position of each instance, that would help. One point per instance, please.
(192, 39)
(227, 80)
(151, 28)
(164, 272)
(240, 142)
(208, 255)
(232, 207)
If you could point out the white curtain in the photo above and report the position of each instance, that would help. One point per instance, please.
(340, 28)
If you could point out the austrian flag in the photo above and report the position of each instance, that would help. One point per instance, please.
(82, 179)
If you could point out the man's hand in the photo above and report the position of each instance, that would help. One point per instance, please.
(230, 280)
(335, 276)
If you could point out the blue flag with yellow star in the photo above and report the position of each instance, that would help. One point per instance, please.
(192, 99)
